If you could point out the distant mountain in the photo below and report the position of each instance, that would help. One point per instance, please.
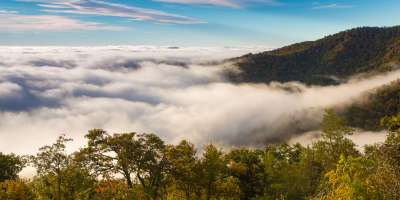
(327, 61)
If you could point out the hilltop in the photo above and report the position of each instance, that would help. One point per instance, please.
(327, 61)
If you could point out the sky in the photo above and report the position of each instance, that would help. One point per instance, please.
(267, 23)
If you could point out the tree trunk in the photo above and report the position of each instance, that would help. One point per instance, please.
(208, 192)
(58, 186)
(128, 180)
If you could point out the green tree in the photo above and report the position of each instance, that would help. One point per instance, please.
(228, 189)
(246, 166)
(139, 156)
(392, 124)
(76, 184)
(385, 180)
(10, 166)
(285, 172)
(184, 168)
(51, 161)
(334, 143)
(213, 171)
(16, 190)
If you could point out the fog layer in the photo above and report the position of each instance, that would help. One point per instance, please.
(178, 93)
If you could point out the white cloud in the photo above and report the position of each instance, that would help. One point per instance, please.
(18, 23)
(8, 12)
(52, 6)
(103, 8)
(168, 91)
(318, 6)
(226, 3)
(360, 138)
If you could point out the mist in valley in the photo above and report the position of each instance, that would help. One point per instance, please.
(177, 93)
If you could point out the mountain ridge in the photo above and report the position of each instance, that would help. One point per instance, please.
(327, 61)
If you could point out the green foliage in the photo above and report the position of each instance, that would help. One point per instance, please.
(140, 166)
(377, 104)
(10, 166)
(134, 156)
(246, 165)
(333, 143)
(16, 190)
(51, 161)
(76, 184)
(393, 126)
(213, 170)
(288, 172)
(184, 169)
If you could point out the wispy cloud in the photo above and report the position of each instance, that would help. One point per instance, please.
(318, 6)
(8, 12)
(103, 8)
(224, 3)
(53, 6)
(13, 22)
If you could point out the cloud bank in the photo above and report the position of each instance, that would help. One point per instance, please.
(178, 93)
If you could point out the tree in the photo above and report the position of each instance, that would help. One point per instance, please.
(16, 190)
(392, 124)
(228, 189)
(107, 155)
(348, 181)
(76, 184)
(385, 179)
(150, 164)
(134, 156)
(213, 170)
(184, 168)
(52, 160)
(10, 166)
(246, 166)
(287, 172)
(334, 142)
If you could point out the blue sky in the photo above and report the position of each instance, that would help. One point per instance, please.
(270, 23)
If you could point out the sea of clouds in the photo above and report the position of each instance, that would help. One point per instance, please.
(176, 92)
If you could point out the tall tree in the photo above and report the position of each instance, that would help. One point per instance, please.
(184, 168)
(138, 157)
(246, 166)
(214, 169)
(334, 142)
(52, 160)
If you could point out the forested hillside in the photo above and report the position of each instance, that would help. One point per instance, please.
(142, 166)
(326, 61)
(332, 60)
(378, 103)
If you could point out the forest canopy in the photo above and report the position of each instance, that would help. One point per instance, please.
(142, 166)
